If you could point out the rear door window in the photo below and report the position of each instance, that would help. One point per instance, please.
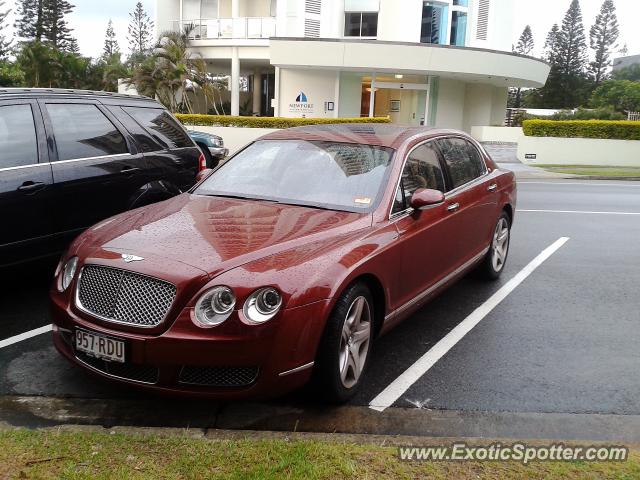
(83, 131)
(462, 159)
(18, 141)
(161, 126)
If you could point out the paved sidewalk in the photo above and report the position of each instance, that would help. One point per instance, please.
(505, 154)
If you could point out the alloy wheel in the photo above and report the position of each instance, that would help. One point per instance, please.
(500, 244)
(354, 342)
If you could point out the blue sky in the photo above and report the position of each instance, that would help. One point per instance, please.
(90, 17)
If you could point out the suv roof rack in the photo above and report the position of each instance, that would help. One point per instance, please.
(67, 91)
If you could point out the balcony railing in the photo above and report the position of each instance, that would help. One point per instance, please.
(220, 28)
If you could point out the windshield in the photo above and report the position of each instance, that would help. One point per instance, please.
(338, 176)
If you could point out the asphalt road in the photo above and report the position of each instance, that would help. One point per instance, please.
(565, 340)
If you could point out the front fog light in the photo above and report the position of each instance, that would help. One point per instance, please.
(215, 306)
(262, 305)
(68, 272)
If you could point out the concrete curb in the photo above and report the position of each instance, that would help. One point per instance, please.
(36, 412)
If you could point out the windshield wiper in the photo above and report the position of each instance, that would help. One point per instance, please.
(280, 202)
(241, 197)
(309, 206)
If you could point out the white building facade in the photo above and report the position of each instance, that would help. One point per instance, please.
(445, 63)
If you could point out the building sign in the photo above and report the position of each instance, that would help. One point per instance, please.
(301, 105)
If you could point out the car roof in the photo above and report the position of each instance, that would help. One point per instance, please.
(378, 134)
(105, 97)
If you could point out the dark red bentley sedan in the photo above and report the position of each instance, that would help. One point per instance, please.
(285, 263)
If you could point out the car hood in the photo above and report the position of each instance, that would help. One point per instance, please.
(215, 234)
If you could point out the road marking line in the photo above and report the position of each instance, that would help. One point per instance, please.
(26, 335)
(587, 184)
(580, 211)
(400, 385)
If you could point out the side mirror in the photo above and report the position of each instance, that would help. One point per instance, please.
(425, 197)
(202, 174)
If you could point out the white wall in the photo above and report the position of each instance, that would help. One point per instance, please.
(450, 104)
(579, 151)
(318, 85)
(166, 12)
(484, 105)
(478, 104)
(400, 21)
(234, 137)
(500, 34)
(497, 134)
(499, 99)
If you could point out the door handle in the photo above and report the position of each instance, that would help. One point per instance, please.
(453, 207)
(31, 187)
(492, 187)
(129, 170)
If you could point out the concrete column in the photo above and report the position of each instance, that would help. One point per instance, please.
(234, 86)
(257, 92)
(276, 108)
(427, 102)
(235, 8)
(372, 97)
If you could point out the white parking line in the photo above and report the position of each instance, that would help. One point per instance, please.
(24, 336)
(586, 184)
(579, 211)
(400, 385)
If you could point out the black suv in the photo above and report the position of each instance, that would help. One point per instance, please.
(69, 159)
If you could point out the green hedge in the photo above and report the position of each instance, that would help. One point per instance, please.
(268, 122)
(609, 129)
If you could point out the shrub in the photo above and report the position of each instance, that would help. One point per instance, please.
(604, 113)
(268, 122)
(609, 129)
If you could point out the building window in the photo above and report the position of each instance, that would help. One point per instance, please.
(458, 28)
(197, 9)
(209, 9)
(461, 3)
(361, 24)
(434, 23)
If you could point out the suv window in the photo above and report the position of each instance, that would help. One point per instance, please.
(18, 143)
(161, 126)
(422, 170)
(83, 131)
(462, 159)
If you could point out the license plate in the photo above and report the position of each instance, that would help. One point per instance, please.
(100, 346)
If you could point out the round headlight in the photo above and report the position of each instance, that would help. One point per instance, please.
(214, 306)
(262, 305)
(68, 272)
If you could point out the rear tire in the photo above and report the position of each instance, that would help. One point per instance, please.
(345, 347)
(493, 264)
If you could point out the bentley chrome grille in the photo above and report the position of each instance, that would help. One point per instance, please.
(122, 296)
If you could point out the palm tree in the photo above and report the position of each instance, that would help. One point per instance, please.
(173, 74)
(112, 70)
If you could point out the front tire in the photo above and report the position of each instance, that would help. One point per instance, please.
(493, 264)
(346, 345)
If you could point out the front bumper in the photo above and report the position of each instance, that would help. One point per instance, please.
(219, 152)
(269, 359)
